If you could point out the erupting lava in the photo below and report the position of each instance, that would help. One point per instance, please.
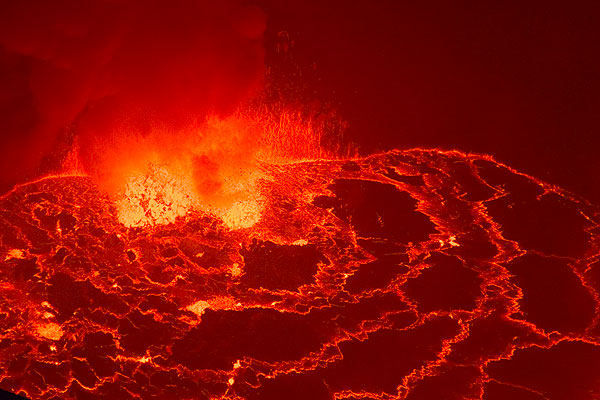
(159, 197)
(417, 274)
(215, 168)
(156, 197)
(205, 235)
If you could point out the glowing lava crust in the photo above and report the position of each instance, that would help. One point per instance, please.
(406, 275)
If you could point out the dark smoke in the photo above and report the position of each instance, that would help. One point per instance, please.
(98, 70)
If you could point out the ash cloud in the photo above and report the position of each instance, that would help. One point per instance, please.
(105, 69)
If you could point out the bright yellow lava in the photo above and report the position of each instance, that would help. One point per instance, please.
(14, 253)
(241, 214)
(216, 303)
(154, 198)
(50, 331)
(159, 197)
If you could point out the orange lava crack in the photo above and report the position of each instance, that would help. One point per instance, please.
(417, 274)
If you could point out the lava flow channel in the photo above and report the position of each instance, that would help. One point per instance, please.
(416, 274)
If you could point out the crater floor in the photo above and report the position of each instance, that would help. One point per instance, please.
(414, 274)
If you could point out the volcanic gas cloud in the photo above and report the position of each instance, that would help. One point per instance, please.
(178, 232)
(150, 98)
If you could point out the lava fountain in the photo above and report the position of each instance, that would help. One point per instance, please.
(190, 239)
(215, 168)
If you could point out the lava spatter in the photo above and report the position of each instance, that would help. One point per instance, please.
(416, 274)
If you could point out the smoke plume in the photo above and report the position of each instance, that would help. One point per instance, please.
(123, 79)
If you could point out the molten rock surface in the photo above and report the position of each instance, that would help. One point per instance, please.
(405, 275)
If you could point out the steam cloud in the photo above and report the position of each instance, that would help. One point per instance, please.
(109, 69)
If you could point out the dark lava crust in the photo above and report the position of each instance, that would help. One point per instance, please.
(405, 275)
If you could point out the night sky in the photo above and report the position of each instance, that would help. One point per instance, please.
(517, 80)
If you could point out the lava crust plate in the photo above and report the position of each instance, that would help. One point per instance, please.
(405, 275)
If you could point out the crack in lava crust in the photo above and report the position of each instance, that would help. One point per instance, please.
(415, 274)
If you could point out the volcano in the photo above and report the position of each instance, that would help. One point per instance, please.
(414, 274)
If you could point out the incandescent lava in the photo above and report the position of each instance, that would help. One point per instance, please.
(417, 274)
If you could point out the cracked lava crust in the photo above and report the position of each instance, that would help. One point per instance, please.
(415, 274)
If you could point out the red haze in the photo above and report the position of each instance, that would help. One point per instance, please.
(117, 72)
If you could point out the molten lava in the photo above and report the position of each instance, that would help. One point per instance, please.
(213, 168)
(156, 197)
(417, 274)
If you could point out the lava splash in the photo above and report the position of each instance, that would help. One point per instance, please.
(417, 274)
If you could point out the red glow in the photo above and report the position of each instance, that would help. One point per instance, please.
(214, 167)
(408, 275)
(182, 215)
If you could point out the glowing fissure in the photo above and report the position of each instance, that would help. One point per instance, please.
(418, 274)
